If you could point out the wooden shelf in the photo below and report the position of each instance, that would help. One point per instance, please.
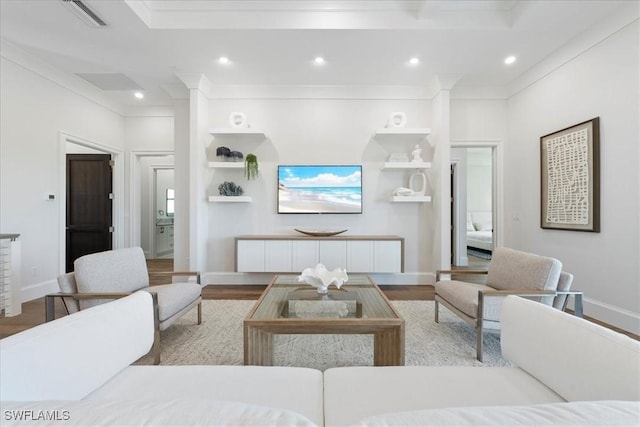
(230, 199)
(226, 165)
(410, 199)
(407, 165)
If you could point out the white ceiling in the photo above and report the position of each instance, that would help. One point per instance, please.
(273, 43)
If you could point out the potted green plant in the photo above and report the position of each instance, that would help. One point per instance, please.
(251, 167)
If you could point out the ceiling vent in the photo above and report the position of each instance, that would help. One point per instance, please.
(87, 15)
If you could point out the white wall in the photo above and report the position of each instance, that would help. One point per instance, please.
(479, 180)
(34, 110)
(316, 131)
(601, 82)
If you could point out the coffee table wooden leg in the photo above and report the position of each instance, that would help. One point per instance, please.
(388, 347)
(258, 346)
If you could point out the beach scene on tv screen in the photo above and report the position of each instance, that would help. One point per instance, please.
(319, 189)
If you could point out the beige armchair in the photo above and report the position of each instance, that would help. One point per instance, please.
(104, 276)
(510, 272)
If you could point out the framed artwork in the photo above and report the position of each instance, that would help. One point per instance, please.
(570, 178)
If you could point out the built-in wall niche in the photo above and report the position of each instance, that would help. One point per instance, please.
(413, 188)
(232, 168)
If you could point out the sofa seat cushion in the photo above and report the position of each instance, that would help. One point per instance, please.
(464, 296)
(353, 393)
(610, 413)
(177, 412)
(175, 297)
(293, 389)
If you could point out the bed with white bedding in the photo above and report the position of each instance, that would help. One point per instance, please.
(480, 230)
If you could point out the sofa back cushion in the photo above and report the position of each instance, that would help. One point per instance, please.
(120, 270)
(576, 358)
(512, 269)
(68, 358)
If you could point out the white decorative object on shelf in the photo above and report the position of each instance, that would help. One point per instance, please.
(398, 158)
(416, 154)
(403, 191)
(418, 183)
(238, 120)
(320, 278)
(397, 120)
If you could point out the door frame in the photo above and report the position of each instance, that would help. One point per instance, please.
(459, 200)
(117, 188)
(135, 183)
(497, 174)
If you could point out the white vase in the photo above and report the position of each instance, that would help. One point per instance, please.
(418, 183)
(238, 120)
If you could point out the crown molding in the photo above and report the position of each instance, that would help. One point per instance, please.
(13, 53)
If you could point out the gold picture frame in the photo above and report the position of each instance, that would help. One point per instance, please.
(570, 178)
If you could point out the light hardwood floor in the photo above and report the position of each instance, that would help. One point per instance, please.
(33, 311)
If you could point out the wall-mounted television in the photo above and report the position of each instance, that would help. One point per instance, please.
(319, 189)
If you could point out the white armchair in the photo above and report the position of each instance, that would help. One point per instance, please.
(510, 272)
(104, 276)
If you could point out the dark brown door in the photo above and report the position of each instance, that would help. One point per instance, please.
(89, 205)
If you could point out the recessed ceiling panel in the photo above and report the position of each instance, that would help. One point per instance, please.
(110, 81)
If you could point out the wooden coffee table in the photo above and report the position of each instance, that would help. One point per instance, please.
(290, 307)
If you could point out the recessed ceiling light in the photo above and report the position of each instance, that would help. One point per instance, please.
(223, 60)
(319, 60)
(138, 95)
(414, 61)
(510, 60)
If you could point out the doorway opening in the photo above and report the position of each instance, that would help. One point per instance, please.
(90, 188)
(89, 209)
(475, 217)
(161, 213)
(151, 204)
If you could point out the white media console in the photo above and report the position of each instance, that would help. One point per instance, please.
(292, 254)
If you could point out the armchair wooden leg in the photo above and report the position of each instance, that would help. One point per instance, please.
(200, 313)
(479, 325)
(49, 308)
(577, 299)
(479, 341)
(155, 349)
(436, 314)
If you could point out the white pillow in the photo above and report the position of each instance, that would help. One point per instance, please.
(470, 226)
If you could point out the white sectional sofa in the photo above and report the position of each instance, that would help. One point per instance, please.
(77, 371)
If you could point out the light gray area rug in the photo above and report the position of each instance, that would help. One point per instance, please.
(219, 340)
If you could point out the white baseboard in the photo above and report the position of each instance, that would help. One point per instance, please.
(611, 315)
(232, 278)
(39, 290)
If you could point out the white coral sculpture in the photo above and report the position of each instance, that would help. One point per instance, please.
(319, 277)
